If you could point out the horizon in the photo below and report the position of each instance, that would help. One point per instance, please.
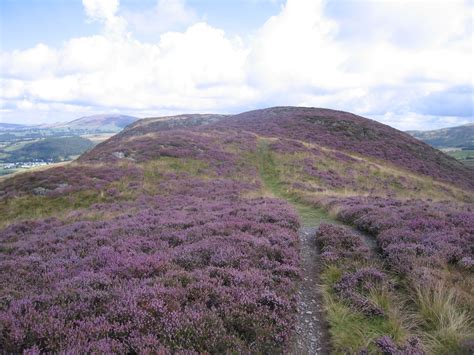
(155, 58)
(195, 113)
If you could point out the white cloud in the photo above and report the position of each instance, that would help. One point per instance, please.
(296, 49)
(199, 69)
(166, 15)
(31, 63)
(101, 9)
(388, 63)
(105, 11)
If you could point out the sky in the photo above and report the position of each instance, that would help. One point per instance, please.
(406, 63)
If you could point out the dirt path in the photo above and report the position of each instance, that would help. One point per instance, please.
(311, 336)
(311, 331)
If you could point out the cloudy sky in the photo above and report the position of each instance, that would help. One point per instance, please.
(406, 63)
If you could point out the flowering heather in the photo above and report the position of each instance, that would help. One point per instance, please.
(339, 244)
(342, 247)
(354, 284)
(63, 180)
(387, 346)
(211, 148)
(353, 287)
(183, 263)
(184, 272)
(414, 234)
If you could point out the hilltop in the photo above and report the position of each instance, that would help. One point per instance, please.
(285, 229)
(335, 129)
(97, 123)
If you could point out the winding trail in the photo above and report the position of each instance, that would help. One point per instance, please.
(311, 332)
(311, 335)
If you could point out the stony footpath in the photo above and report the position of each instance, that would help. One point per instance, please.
(311, 336)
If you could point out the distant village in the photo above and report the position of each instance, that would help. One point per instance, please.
(25, 165)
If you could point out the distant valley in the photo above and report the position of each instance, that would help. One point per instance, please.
(457, 142)
(25, 147)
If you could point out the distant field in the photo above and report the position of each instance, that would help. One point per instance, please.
(466, 156)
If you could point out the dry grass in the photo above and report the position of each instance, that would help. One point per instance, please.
(351, 330)
(444, 321)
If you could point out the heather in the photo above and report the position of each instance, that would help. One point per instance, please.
(186, 272)
(414, 234)
(168, 254)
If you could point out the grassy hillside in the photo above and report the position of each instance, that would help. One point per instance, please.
(181, 234)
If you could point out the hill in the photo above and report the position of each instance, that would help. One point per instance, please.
(459, 137)
(283, 230)
(338, 130)
(50, 149)
(103, 123)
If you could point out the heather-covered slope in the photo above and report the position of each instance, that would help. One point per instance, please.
(348, 132)
(329, 128)
(180, 234)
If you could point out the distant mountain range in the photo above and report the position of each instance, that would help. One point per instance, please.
(452, 137)
(95, 123)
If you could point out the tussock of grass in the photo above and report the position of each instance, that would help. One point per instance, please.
(352, 331)
(444, 322)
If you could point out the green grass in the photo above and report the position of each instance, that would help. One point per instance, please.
(363, 177)
(351, 330)
(7, 171)
(310, 215)
(153, 170)
(33, 207)
(461, 154)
